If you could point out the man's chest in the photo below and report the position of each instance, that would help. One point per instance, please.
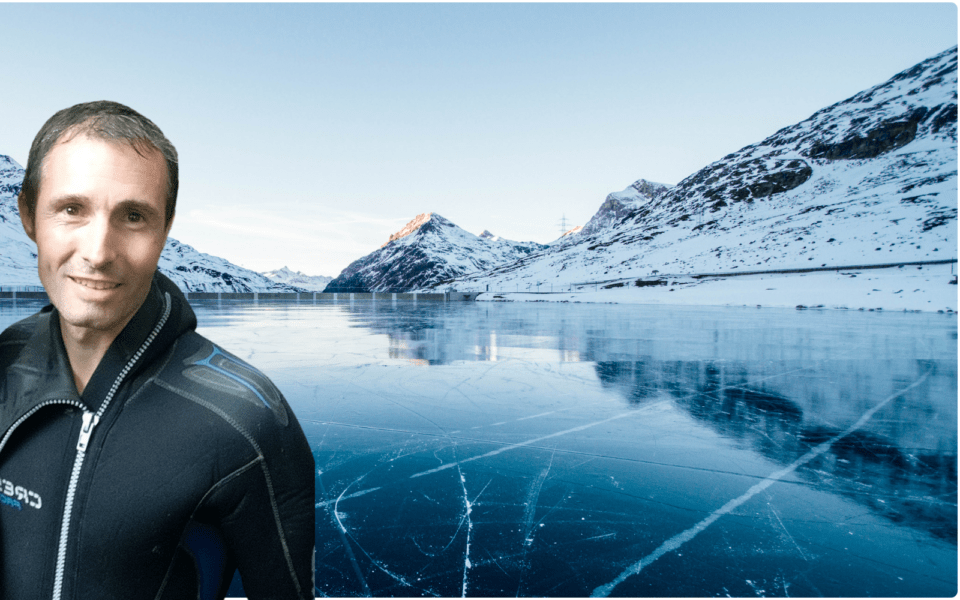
(117, 515)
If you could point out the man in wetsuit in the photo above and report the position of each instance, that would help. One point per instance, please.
(137, 458)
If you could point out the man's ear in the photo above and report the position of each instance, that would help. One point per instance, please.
(27, 219)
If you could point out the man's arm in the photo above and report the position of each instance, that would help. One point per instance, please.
(266, 513)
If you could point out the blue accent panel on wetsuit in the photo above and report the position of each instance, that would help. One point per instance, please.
(205, 544)
(227, 379)
(4, 499)
(207, 362)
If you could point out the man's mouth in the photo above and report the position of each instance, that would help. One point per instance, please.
(96, 284)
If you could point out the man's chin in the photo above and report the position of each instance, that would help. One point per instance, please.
(93, 316)
(87, 311)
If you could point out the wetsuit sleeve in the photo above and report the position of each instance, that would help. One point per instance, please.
(266, 514)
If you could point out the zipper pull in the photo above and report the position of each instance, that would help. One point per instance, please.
(90, 421)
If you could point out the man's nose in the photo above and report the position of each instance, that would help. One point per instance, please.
(98, 243)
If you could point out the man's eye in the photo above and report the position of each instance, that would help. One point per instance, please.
(72, 210)
(135, 217)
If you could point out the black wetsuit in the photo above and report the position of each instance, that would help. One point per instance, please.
(178, 465)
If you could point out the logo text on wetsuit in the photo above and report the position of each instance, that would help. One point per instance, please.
(16, 496)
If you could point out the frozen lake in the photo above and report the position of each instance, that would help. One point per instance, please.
(500, 449)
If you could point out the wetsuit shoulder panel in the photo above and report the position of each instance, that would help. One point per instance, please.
(204, 369)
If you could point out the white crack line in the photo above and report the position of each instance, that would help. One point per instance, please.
(354, 495)
(682, 538)
(540, 439)
(466, 555)
(533, 497)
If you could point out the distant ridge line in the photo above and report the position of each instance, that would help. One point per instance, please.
(812, 269)
(775, 271)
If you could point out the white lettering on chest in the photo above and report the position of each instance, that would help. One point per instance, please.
(18, 494)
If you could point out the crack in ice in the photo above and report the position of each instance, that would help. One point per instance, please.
(468, 510)
(344, 540)
(683, 537)
(354, 495)
(789, 535)
(531, 505)
(535, 440)
(376, 563)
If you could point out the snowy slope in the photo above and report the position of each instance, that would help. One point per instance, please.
(870, 180)
(620, 205)
(199, 272)
(191, 270)
(428, 251)
(312, 283)
(18, 254)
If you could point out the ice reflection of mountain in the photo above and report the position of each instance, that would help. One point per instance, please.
(774, 381)
(436, 336)
(902, 463)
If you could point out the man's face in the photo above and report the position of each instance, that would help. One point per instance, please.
(99, 226)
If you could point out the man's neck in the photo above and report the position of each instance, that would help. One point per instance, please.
(85, 348)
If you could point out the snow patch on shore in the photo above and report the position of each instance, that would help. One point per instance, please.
(907, 288)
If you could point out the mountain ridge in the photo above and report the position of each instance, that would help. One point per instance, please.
(310, 283)
(869, 179)
(425, 253)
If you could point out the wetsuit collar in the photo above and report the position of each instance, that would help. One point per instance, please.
(46, 357)
(133, 337)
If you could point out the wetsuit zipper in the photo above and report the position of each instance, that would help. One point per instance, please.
(90, 421)
(33, 410)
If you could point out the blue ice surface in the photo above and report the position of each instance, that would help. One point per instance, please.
(500, 449)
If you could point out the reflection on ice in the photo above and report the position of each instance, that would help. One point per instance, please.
(563, 450)
(899, 451)
(494, 450)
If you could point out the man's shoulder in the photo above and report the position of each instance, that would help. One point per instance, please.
(16, 336)
(203, 372)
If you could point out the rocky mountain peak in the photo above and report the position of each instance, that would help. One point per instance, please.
(427, 252)
(415, 224)
(620, 205)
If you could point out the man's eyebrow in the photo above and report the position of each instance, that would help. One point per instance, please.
(68, 198)
(138, 206)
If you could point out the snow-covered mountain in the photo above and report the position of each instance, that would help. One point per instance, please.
(18, 254)
(620, 205)
(428, 251)
(311, 283)
(869, 180)
(567, 234)
(192, 271)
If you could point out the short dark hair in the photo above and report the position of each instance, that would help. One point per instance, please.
(105, 120)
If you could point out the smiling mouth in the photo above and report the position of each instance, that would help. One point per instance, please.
(96, 284)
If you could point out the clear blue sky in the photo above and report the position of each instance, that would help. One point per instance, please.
(308, 133)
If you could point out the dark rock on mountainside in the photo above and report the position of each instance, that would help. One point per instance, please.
(621, 205)
(427, 252)
(886, 136)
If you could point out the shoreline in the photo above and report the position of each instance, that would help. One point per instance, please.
(907, 288)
